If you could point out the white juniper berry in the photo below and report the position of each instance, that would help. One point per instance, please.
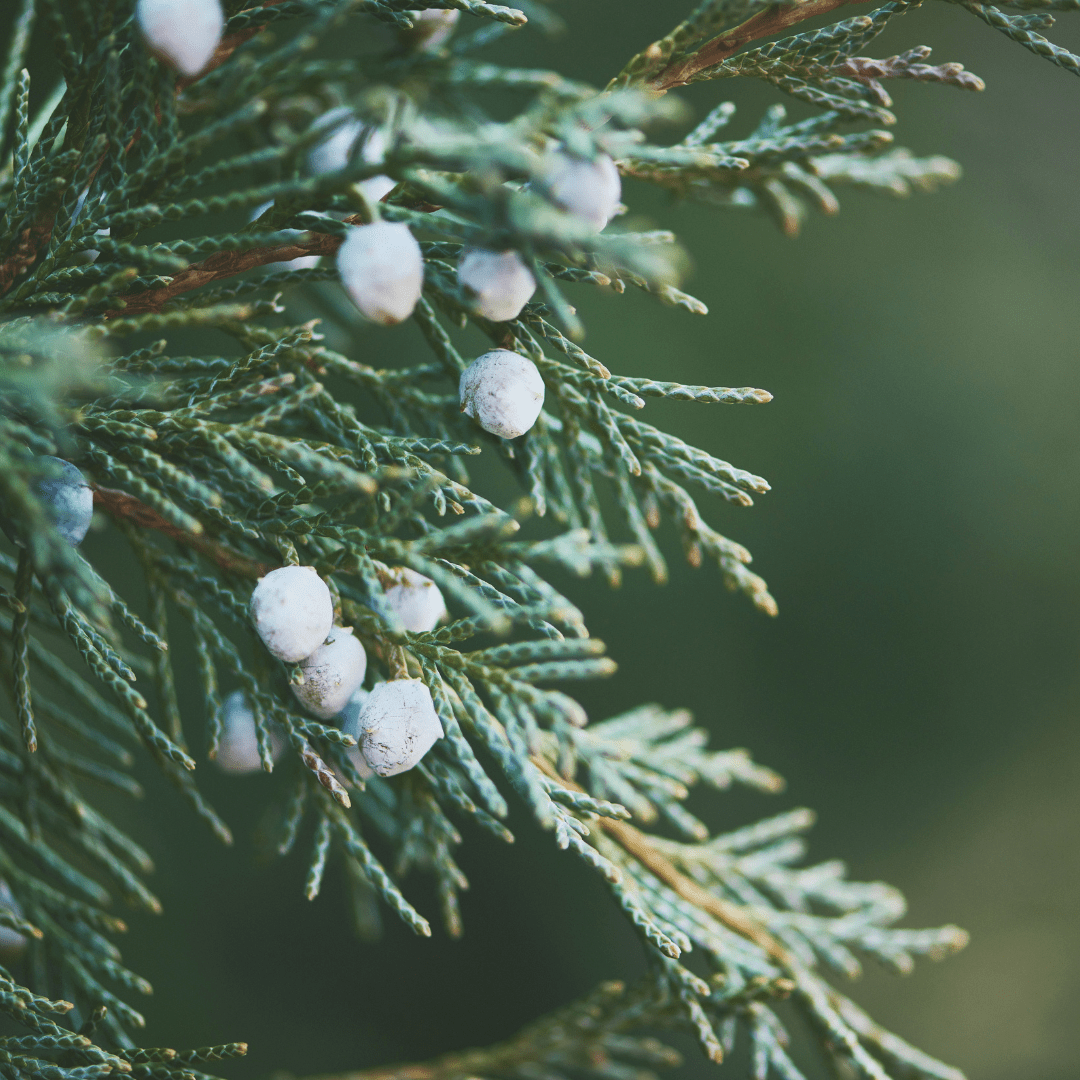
(591, 190)
(301, 262)
(382, 269)
(68, 499)
(398, 726)
(332, 674)
(373, 149)
(292, 611)
(334, 150)
(415, 599)
(349, 719)
(184, 33)
(503, 392)
(498, 281)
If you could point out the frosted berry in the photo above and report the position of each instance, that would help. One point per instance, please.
(503, 392)
(589, 189)
(336, 150)
(67, 498)
(184, 33)
(12, 943)
(500, 283)
(432, 26)
(238, 745)
(398, 726)
(293, 611)
(332, 674)
(415, 600)
(382, 269)
(350, 725)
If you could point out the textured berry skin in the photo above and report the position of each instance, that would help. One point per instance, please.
(382, 270)
(332, 674)
(238, 747)
(293, 611)
(68, 501)
(591, 190)
(398, 726)
(500, 283)
(503, 392)
(185, 33)
(416, 600)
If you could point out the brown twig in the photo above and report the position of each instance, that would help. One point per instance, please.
(225, 264)
(119, 504)
(639, 845)
(761, 25)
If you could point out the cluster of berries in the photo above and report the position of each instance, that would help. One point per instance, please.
(382, 269)
(380, 264)
(395, 723)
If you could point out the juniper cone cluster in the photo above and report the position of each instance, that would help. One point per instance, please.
(209, 215)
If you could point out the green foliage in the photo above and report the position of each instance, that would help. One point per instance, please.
(53, 1052)
(142, 206)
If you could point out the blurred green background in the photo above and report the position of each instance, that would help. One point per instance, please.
(920, 687)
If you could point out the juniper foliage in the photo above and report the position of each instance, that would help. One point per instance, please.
(144, 212)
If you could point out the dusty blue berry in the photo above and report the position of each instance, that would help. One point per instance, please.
(67, 498)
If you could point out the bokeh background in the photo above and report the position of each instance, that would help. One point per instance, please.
(921, 685)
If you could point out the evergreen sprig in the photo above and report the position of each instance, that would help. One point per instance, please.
(169, 211)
